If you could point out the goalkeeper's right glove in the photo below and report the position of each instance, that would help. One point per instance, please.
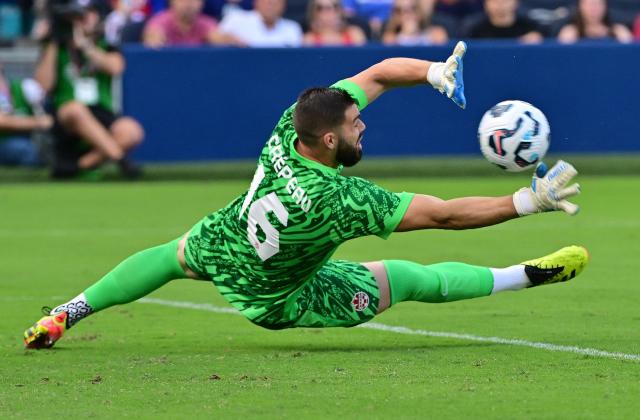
(548, 190)
(447, 77)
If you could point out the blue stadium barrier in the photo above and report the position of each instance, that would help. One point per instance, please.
(219, 103)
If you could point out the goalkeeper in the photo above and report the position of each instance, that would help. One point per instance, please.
(268, 252)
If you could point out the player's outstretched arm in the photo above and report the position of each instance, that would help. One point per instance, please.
(428, 212)
(548, 192)
(404, 72)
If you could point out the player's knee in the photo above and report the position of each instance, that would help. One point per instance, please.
(435, 286)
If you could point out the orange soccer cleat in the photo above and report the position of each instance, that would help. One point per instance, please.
(44, 333)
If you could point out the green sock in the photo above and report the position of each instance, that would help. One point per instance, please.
(135, 277)
(444, 282)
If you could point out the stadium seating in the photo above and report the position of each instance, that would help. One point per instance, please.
(623, 11)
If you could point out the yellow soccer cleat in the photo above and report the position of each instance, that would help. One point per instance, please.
(560, 266)
(44, 333)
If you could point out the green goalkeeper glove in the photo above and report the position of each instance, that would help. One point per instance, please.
(548, 191)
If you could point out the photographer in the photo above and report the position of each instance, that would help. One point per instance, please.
(76, 67)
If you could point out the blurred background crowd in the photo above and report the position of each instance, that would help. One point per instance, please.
(63, 113)
(292, 23)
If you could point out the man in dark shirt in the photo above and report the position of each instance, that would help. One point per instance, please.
(502, 21)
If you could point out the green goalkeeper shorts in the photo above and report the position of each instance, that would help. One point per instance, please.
(340, 294)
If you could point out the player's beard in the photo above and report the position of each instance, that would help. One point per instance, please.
(348, 155)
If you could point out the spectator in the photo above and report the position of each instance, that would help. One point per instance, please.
(592, 21)
(264, 26)
(40, 26)
(214, 8)
(218, 8)
(328, 26)
(501, 20)
(125, 12)
(296, 10)
(77, 67)
(374, 13)
(17, 121)
(458, 9)
(184, 24)
(410, 25)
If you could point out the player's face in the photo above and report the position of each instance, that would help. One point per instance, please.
(349, 149)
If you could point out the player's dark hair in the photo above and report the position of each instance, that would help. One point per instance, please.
(319, 109)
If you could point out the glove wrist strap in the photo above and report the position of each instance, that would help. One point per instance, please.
(435, 75)
(523, 202)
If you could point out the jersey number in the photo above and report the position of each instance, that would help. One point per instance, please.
(258, 217)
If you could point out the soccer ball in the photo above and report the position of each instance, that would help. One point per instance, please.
(514, 135)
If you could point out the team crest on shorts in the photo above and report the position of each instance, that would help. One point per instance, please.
(360, 301)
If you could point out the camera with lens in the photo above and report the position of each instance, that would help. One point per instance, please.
(62, 14)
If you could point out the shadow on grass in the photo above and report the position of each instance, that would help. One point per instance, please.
(350, 348)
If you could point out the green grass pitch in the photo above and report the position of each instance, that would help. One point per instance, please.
(146, 360)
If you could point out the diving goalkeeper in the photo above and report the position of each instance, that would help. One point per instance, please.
(268, 251)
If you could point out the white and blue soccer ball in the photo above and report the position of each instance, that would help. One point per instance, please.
(514, 135)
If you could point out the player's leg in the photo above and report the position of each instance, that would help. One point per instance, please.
(400, 281)
(340, 294)
(135, 277)
(344, 293)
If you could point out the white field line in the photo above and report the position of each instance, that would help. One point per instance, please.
(409, 331)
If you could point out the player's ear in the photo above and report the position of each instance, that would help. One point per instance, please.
(330, 140)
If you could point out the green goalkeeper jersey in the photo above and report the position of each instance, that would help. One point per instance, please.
(268, 242)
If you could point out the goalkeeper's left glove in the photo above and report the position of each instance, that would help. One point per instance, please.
(548, 190)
